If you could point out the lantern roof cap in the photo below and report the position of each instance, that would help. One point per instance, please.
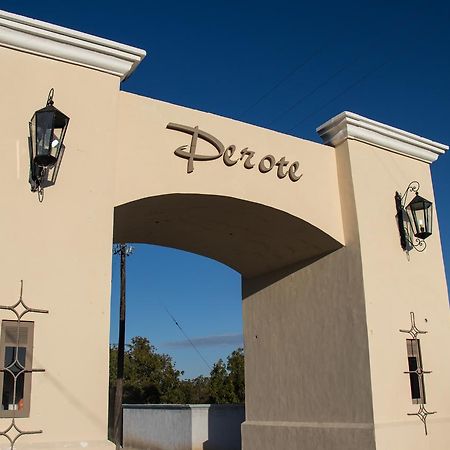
(63, 44)
(50, 108)
(419, 199)
(348, 125)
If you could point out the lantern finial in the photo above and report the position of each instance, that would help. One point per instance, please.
(50, 97)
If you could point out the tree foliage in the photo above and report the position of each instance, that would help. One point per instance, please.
(235, 367)
(227, 381)
(150, 377)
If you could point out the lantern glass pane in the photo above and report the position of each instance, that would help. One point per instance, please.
(420, 212)
(59, 129)
(420, 219)
(44, 132)
(430, 219)
(44, 138)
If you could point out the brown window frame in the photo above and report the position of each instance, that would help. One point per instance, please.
(25, 412)
(416, 381)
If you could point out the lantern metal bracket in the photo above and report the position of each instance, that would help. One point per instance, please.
(407, 239)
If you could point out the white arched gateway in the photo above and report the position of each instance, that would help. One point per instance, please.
(312, 229)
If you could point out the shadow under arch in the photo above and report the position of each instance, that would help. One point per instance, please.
(252, 238)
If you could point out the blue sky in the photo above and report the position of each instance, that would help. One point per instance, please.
(285, 65)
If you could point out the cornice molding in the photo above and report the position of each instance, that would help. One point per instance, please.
(52, 41)
(348, 125)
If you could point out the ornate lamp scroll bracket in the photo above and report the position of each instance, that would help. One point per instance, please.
(19, 309)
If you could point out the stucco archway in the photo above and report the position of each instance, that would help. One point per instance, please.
(265, 245)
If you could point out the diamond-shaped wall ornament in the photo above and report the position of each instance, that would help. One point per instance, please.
(12, 437)
(422, 414)
(413, 330)
(20, 308)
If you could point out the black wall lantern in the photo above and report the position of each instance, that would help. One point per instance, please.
(48, 127)
(414, 220)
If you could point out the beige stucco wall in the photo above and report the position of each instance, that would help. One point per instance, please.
(307, 363)
(394, 286)
(342, 384)
(61, 248)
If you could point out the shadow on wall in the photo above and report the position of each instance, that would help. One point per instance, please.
(224, 427)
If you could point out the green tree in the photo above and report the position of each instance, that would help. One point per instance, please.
(221, 387)
(196, 390)
(149, 377)
(235, 367)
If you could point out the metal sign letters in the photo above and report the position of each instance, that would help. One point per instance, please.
(230, 155)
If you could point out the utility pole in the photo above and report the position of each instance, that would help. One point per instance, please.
(123, 250)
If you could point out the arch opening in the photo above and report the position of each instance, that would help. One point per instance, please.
(252, 238)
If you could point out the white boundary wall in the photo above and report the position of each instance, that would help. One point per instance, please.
(183, 427)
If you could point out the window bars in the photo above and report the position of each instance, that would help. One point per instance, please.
(416, 372)
(16, 366)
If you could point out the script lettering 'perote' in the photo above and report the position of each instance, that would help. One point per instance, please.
(230, 155)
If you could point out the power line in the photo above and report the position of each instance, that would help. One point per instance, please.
(354, 84)
(284, 79)
(187, 338)
(340, 70)
(334, 75)
(321, 85)
(358, 81)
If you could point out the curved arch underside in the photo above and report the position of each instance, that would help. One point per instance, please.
(251, 238)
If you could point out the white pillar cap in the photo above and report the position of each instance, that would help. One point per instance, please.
(52, 41)
(348, 125)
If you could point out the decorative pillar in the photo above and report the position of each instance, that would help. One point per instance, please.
(398, 284)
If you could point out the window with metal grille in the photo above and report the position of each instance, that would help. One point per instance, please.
(415, 370)
(16, 348)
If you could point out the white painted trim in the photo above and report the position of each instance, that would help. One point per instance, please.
(348, 125)
(52, 41)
